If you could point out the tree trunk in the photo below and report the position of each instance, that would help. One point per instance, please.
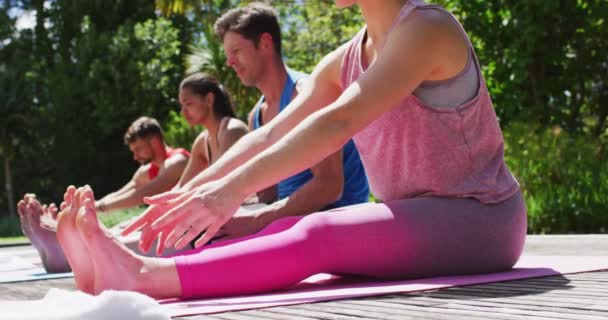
(9, 186)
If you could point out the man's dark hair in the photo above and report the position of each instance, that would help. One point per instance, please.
(143, 128)
(251, 21)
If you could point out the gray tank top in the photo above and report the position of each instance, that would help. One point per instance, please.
(452, 92)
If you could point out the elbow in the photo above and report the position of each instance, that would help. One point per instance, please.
(268, 135)
(339, 124)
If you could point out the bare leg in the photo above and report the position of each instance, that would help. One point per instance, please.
(116, 267)
(45, 241)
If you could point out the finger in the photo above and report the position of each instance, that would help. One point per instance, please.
(161, 240)
(163, 197)
(190, 235)
(146, 238)
(178, 205)
(136, 224)
(181, 228)
(199, 225)
(211, 231)
(150, 215)
(145, 218)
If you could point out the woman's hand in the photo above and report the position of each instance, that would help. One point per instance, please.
(159, 204)
(179, 220)
(205, 209)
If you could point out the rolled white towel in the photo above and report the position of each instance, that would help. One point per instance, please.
(73, 305)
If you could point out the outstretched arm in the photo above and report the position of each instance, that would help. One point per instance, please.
(325, 188)
(140, 178)
(414, 51)
(321, 89)
(134, 195)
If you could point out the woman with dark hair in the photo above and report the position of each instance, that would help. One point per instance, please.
(204, 101)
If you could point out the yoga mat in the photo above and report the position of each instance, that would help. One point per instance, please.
(14, 268)
(324, 287)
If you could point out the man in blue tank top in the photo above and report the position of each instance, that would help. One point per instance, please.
(252, 42)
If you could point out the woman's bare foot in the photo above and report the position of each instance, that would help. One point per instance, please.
(118, 268)
(45, 241)
(73, 245)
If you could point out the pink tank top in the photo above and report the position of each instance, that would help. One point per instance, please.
(417, 150)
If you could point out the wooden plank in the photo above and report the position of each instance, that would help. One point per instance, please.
(268, 314)
(567, 297)
(331, 308)
(569, 313)
(288, 311)
(198, 317)
(438, 312)
(537, 298)
(33, 290)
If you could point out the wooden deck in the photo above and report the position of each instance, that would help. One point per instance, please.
(578, 296)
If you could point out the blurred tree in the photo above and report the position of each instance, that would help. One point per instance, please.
(93, 68)
(544, 61)
(15, 110)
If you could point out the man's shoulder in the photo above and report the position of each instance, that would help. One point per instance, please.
(177, 156)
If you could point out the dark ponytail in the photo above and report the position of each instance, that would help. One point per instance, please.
(201, 84)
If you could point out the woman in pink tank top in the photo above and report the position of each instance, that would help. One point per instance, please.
(449, 203)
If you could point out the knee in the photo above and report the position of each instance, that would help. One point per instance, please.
(314, 226)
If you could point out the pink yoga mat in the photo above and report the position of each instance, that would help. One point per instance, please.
(324, 287)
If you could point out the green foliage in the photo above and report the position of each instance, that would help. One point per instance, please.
(90, 72)
(72, 85)
(313, 30)
(564, 177)
(178, 133)
(10, 226)
(544, 61)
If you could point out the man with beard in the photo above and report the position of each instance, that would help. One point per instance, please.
(161, 166)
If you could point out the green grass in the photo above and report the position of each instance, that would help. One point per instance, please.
(115, 217)
(10, 227)
(13, 240)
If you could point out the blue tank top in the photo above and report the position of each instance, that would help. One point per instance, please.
(356, 189)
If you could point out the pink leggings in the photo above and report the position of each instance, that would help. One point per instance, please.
(401, 239)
